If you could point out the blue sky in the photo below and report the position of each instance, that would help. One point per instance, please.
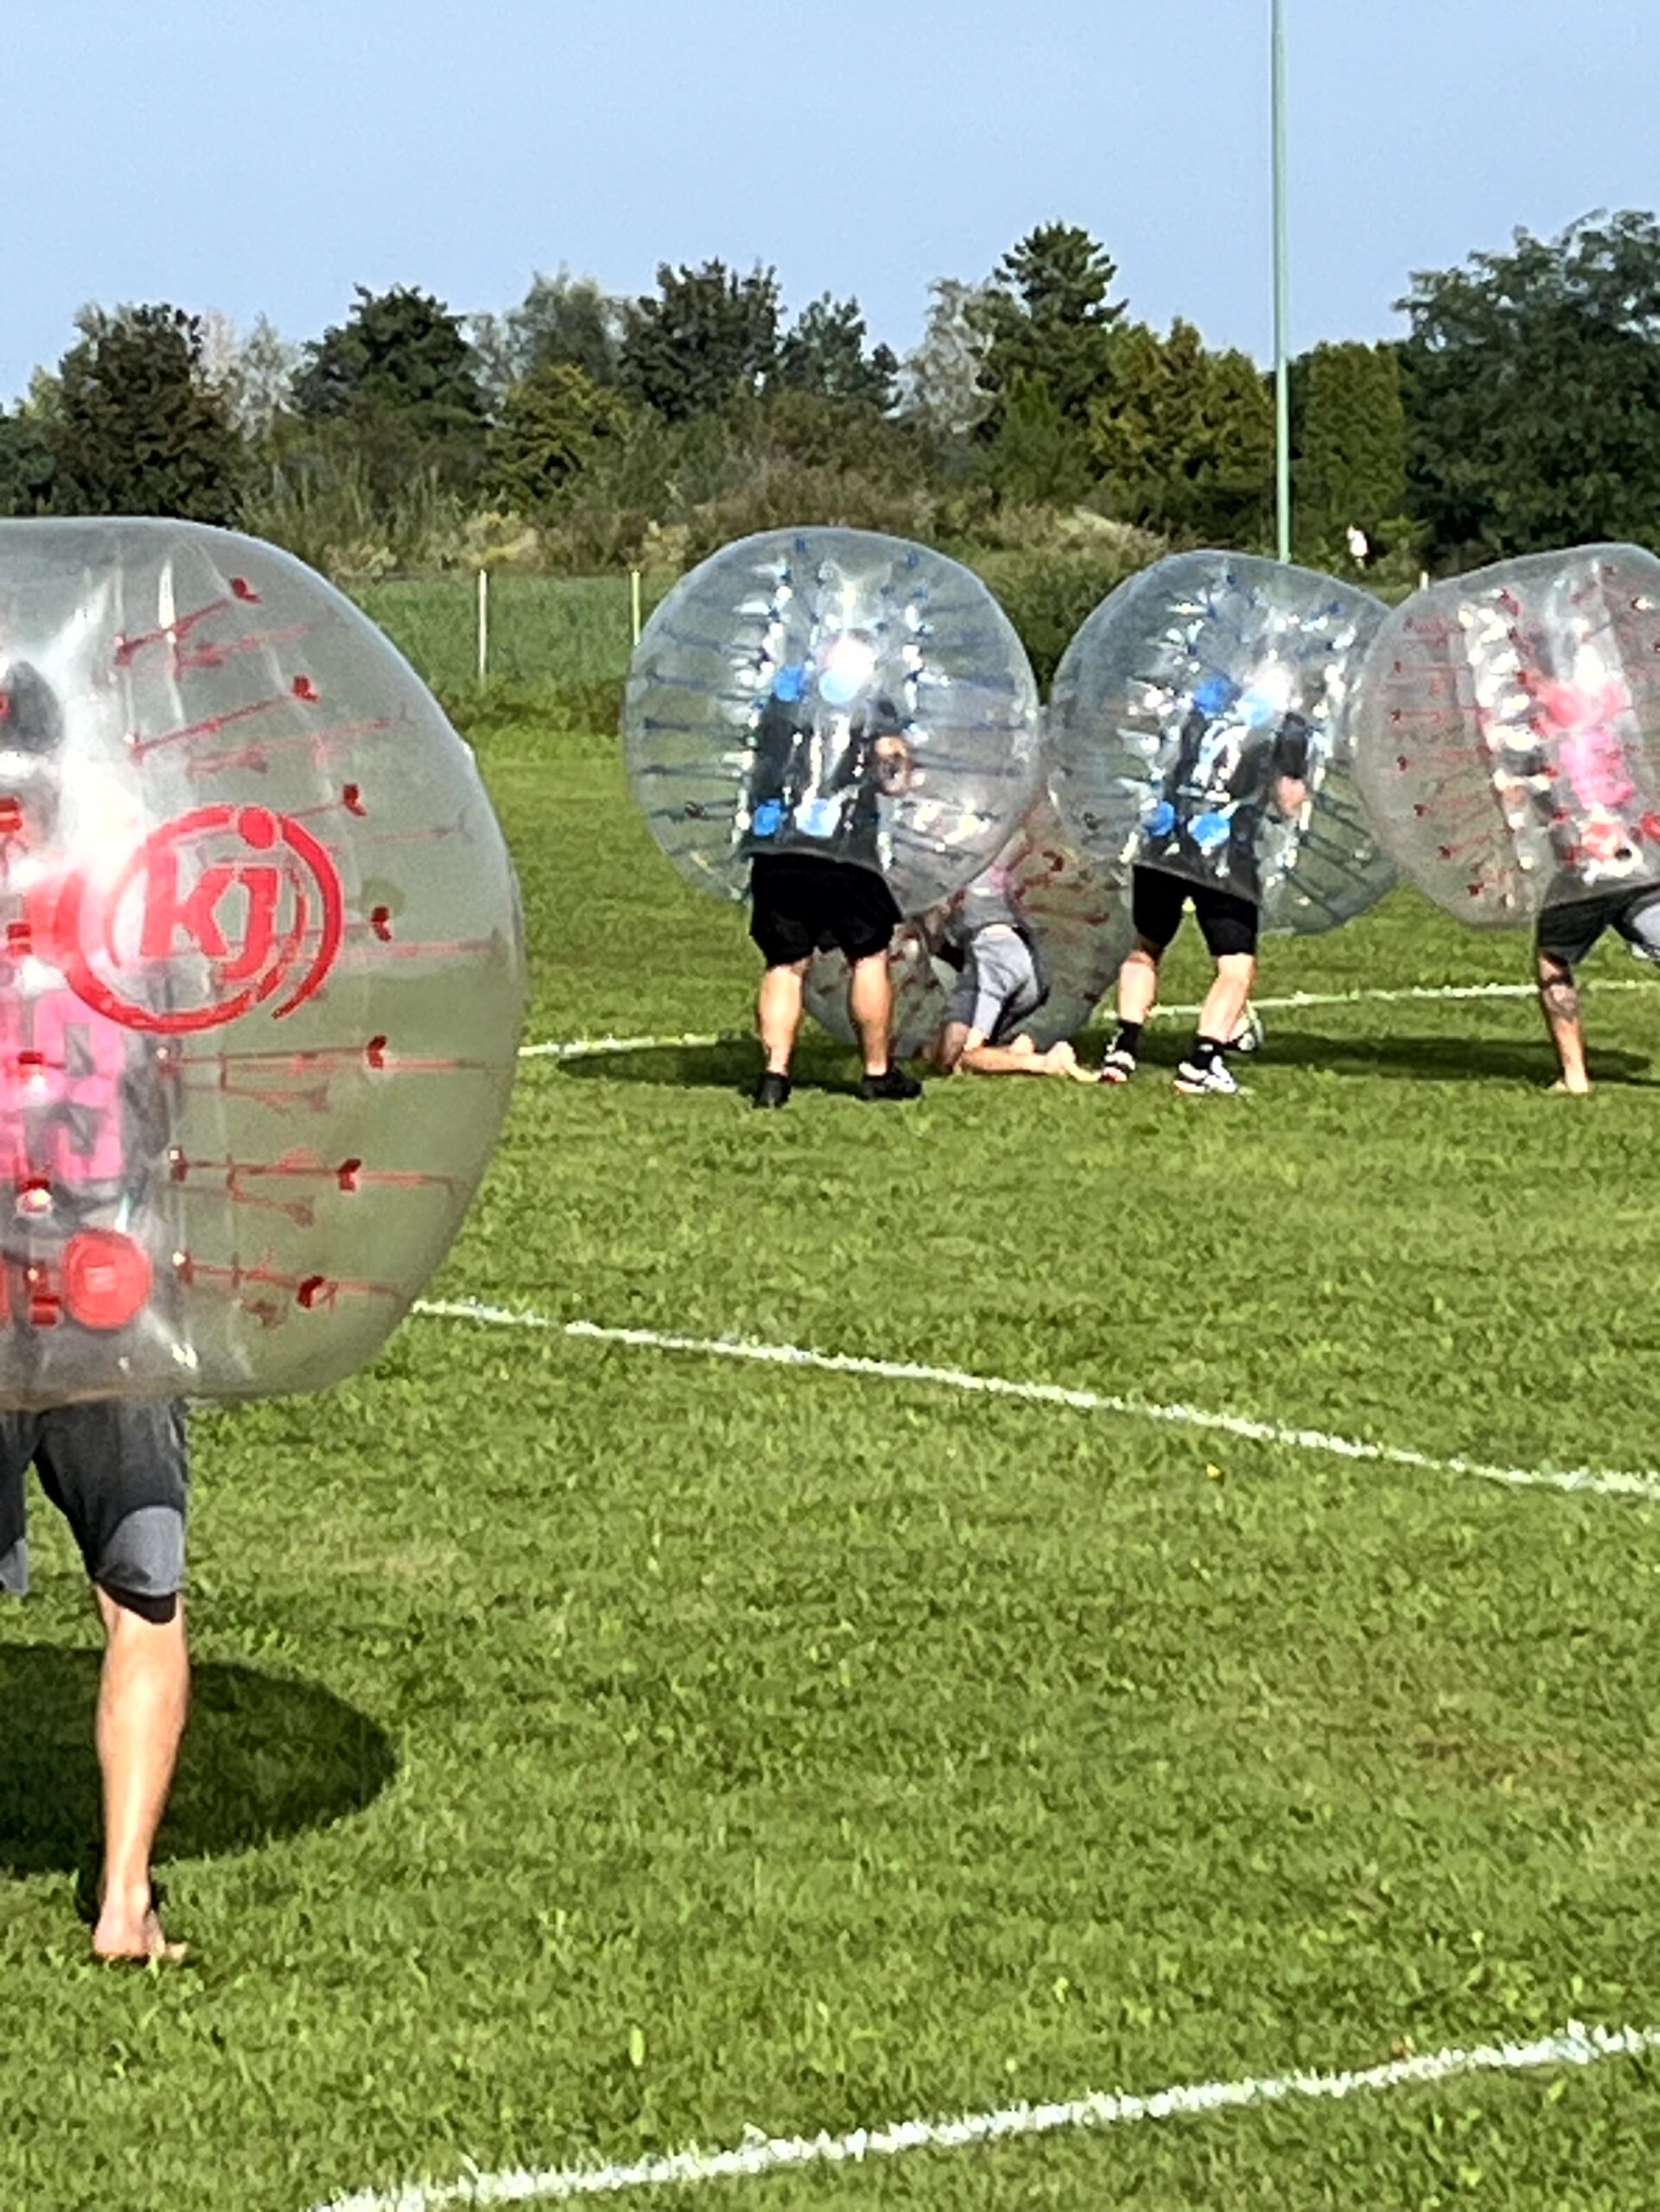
(270, 157)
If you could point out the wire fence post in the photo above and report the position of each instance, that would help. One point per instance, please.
(484, 623)
(633, 602)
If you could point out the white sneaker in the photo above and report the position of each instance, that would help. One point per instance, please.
(1251, 1035)
(1117, 1066)
(1216, 1081)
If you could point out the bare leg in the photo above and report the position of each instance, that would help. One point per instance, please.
(1138, 980)
(1225, 1000)
(1021, 1057)
(144, 1697)
(1559, 997)
(778, 1013)
(870, 1006)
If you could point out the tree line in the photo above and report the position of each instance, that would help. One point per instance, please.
(579, 430)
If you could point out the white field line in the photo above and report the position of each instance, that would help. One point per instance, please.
(1608, 1481)
(581, 1048)
(758, 2154)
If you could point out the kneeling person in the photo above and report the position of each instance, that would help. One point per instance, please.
(1001, 984)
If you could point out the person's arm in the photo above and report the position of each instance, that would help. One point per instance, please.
(1291, 766)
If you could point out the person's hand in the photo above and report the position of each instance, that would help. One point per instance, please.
(892, 758)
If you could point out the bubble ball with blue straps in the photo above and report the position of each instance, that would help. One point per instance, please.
(836, 693)
(1199, 726)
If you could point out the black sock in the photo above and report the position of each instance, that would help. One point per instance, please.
(1207, 1051)
(1128, 1038)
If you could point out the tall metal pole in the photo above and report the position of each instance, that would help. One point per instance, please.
(1282, 301)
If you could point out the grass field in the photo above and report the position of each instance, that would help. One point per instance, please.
(577, 629)
(604, 1749)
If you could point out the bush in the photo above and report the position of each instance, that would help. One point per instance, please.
(1047, 594)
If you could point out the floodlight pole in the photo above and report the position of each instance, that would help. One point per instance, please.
(1282, 300)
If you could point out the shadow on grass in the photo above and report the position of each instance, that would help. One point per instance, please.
(731, 1065)
(1446, 1059)
(262, 1757)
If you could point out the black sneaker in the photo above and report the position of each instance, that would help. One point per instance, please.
(772, 1089)
(893, 1084)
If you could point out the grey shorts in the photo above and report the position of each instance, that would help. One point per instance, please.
(1569, 930)
(118, 1472)
(999, 989)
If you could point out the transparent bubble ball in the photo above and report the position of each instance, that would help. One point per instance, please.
(261, 976)
(1507, 729)
(1182, 702)
(837, 693)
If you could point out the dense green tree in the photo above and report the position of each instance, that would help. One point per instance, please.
(1038, 457)
(1349, 443)
(825, 354)
(551, 422)
(402, 349)
(1046, 313)
(707, 338)
(138, 429)
(1183, 438)
(26, 467)
(395, 389)
(1532, 388)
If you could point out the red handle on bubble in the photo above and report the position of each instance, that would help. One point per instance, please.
(106, 1278)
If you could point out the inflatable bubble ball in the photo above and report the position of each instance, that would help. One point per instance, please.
(261, 977)
(837, 693)
(1507, 728)
(1198, 726)
(1072, 911)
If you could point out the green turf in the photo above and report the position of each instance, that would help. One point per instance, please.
(578, 629)
(603, 1750)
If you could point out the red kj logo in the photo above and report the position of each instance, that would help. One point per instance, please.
(235, 905)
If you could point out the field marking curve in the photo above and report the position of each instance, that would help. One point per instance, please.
(1613, 1482)
(582, 1048)
(759, 2154)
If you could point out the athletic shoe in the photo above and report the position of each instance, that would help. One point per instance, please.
(1117, 1066)
(772, 1089)
(894, 1082)
(1251, 1035)
(1215, 1081)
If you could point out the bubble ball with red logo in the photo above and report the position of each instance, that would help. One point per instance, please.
(262, 973)
(1073, 910)
(835, 693)
(1197, 726)
(1508, 732)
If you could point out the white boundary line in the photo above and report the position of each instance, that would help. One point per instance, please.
(580, 1048)
(761, 2154)
(1606, 1481)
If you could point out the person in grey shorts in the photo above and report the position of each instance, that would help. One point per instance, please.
(118, 1473)
(1566, 934)
(1001, 984)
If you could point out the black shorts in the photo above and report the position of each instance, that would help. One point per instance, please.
(118, 1472)
(803, 905)
(1569, 930)
(1228, 923)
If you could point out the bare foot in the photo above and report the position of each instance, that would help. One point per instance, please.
(129, 1930)
(1564, 1089)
